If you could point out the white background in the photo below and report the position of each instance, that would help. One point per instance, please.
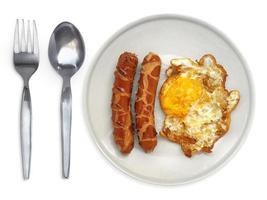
(91, 175)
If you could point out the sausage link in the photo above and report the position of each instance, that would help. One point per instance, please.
(145, 100)
(121, 113)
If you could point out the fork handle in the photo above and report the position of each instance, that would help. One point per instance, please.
(66, 110)
(25, 131)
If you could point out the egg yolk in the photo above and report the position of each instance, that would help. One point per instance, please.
(179, 94)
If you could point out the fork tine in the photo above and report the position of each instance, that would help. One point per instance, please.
(23, 40)
(16, 38)
(35, 39)
(29, 38)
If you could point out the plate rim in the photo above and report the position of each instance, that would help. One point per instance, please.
(131, 25)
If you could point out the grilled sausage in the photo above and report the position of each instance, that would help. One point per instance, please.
(145, 100)
(121, 113)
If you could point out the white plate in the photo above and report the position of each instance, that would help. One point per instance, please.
(168, 36)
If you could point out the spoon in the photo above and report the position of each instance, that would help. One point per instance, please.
(66, 54)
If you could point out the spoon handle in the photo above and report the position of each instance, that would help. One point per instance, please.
(66, 107)
(25, 131)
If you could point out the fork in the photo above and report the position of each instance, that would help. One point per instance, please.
(26, 61)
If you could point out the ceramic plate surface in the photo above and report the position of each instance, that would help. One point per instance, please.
(169, 36)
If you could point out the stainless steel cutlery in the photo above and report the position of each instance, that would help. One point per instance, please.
(66, 54)
(26, 61)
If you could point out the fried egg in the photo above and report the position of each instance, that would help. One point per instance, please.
(196, 104)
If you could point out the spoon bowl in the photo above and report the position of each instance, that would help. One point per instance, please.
(66, 49)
